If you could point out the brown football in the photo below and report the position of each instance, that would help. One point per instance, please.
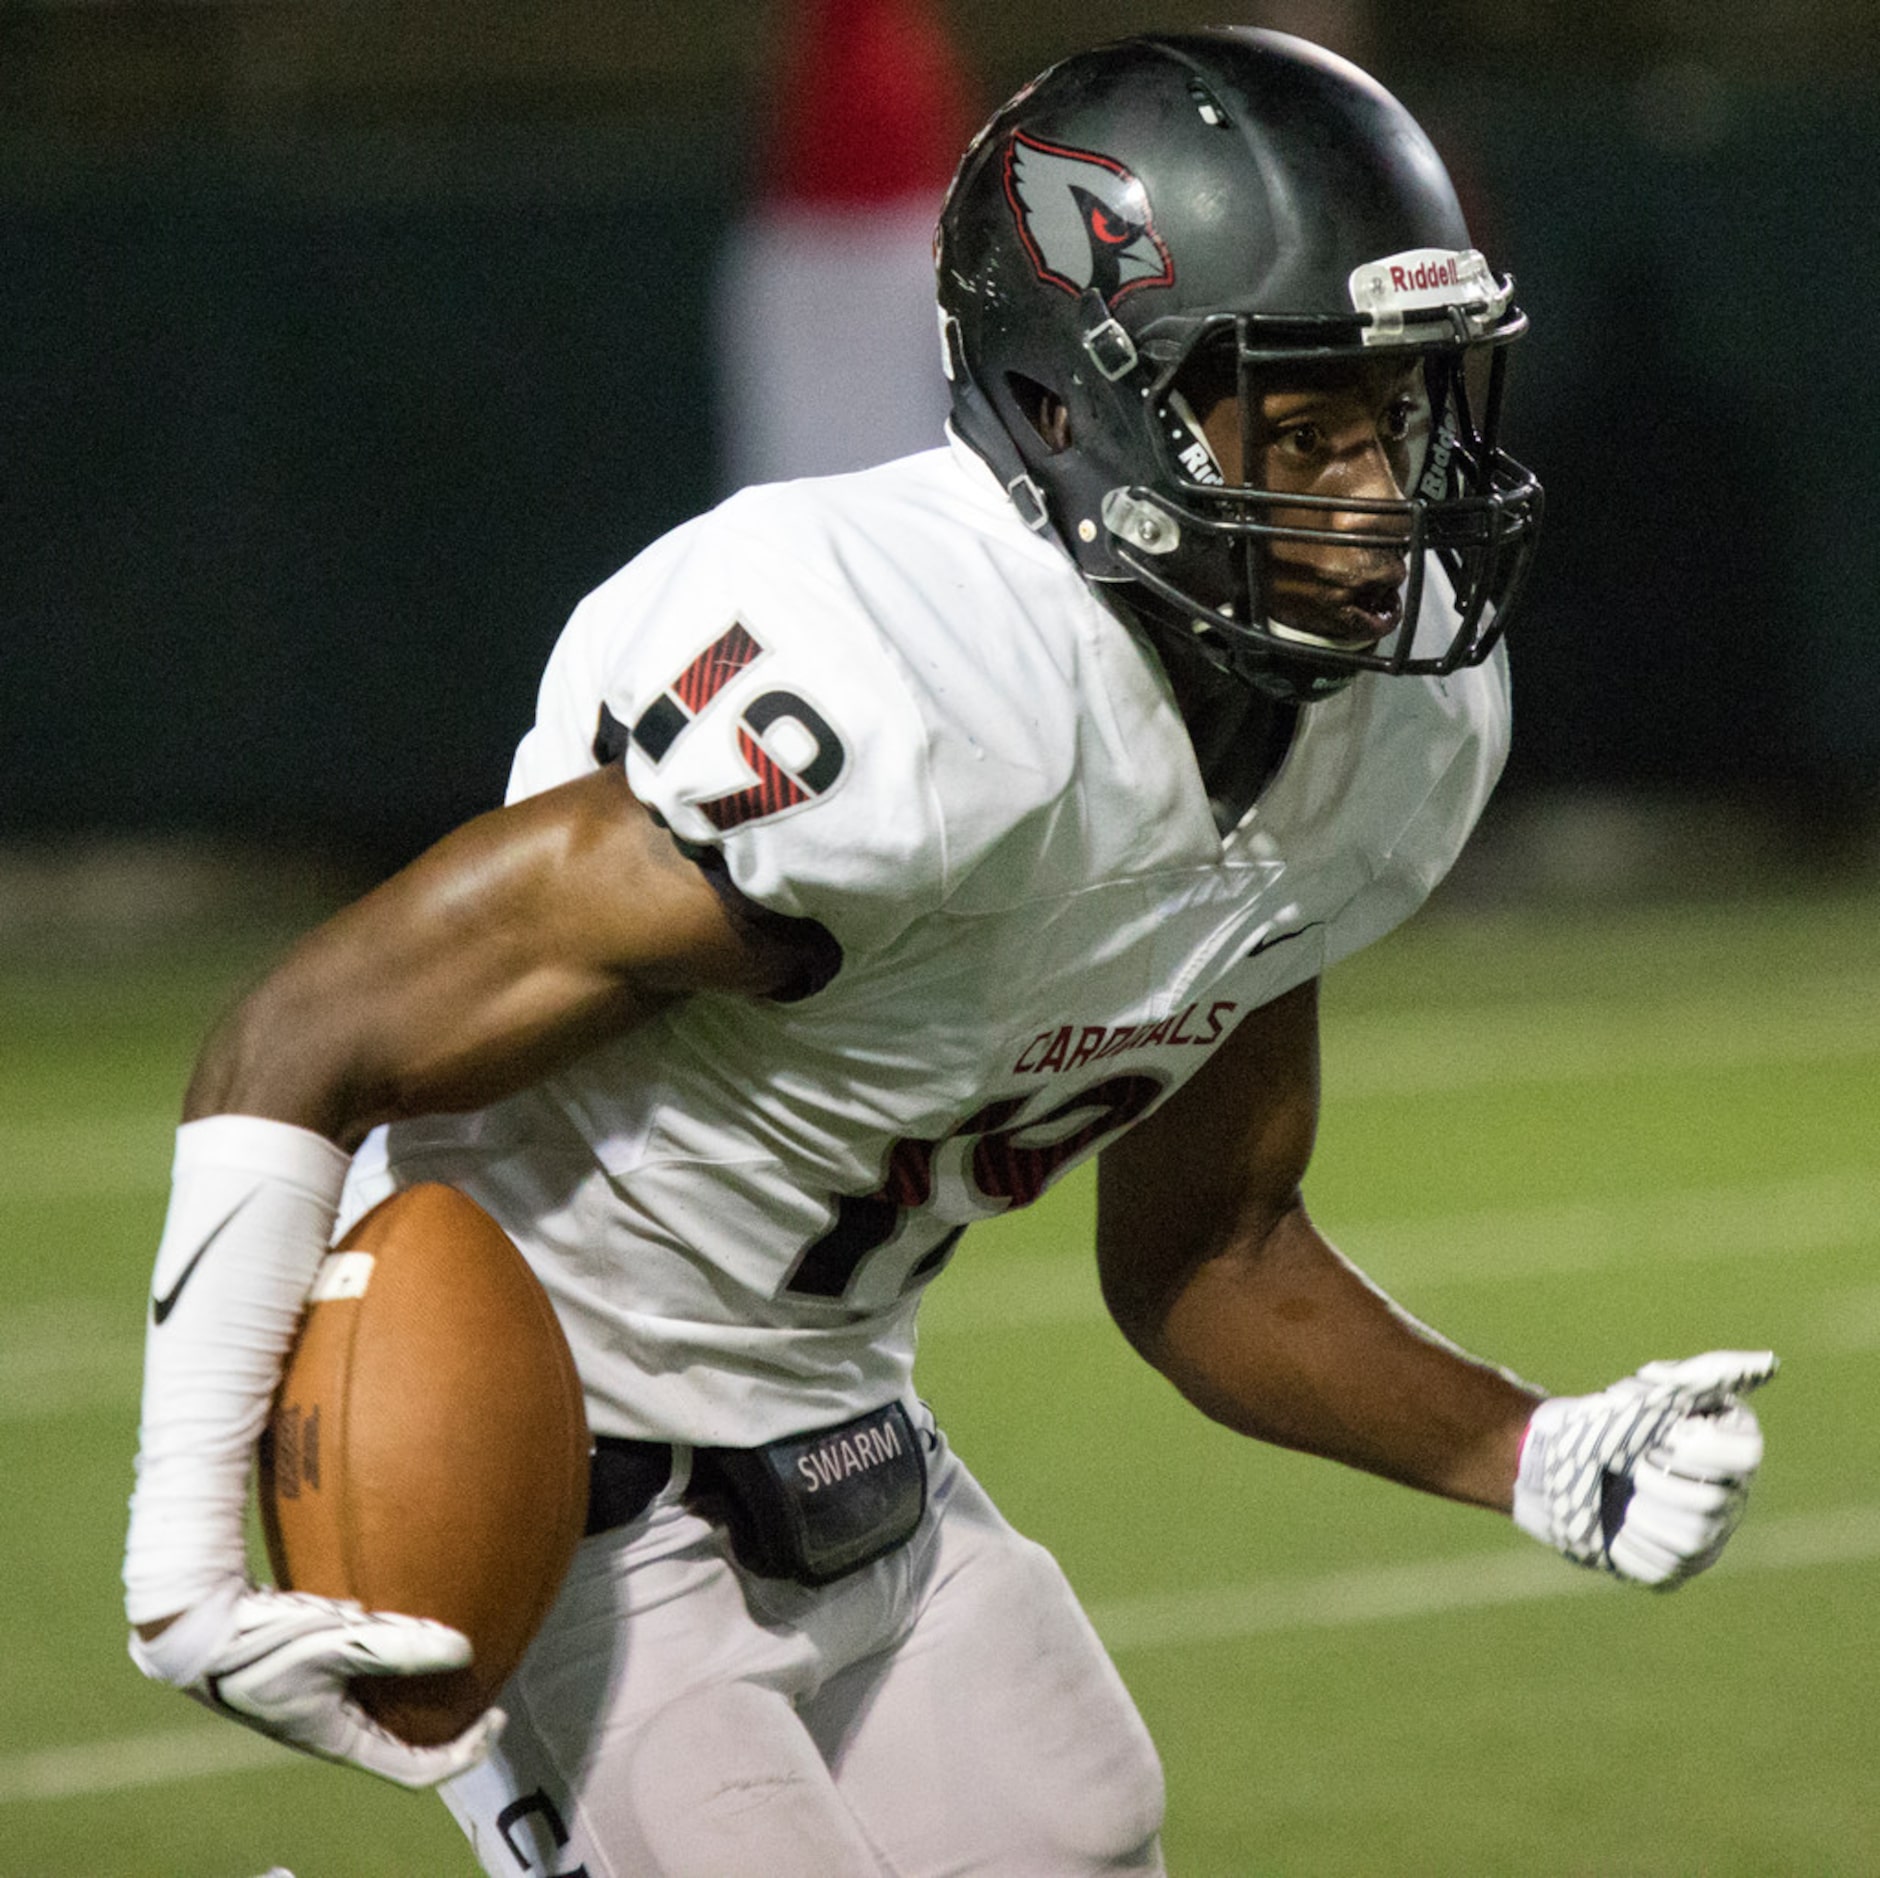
(427, 1451)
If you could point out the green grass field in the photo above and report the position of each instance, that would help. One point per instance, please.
(1573, 1142)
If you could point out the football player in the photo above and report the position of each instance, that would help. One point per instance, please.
(885, 846)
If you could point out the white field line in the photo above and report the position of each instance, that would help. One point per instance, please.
(1848, 1322)
(87, 1157)
(1161, 1621)
(102, 1767)
(60, 1357)
(57, 1359)
(1826, 1018)
(1175, 1620)
(1698, 1225)
(1402, 1054)
(1703, 1225)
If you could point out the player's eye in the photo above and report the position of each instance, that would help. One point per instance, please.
(1398, 417)
(1302, 440)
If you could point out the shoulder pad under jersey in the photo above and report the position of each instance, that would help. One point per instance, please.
(758, 712)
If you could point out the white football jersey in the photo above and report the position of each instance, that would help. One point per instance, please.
(899, 714)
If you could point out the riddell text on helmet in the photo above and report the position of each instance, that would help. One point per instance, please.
(1429, 274)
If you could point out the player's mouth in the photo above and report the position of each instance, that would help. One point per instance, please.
(1347, 618)
(1375, 608)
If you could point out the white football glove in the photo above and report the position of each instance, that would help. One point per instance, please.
(1649, 1478)
(279, 1662)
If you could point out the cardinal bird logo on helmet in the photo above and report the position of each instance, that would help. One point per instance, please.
(1085, 220)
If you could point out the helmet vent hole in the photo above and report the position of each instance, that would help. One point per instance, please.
(1207, 104)
(1042, 409)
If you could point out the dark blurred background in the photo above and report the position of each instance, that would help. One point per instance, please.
(343, 347)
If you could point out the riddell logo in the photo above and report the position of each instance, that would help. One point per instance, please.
(1422, 278)
(1435, 483)
(1428, 274)
(1198, 460)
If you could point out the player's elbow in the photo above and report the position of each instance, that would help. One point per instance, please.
(1172, 1293)
(1139, 1293)
(280, 1053)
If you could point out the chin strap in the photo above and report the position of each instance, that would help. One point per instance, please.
(976, 426)
(1290, 684)
(1286, 681)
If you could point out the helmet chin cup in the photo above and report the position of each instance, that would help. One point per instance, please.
(1135, 216)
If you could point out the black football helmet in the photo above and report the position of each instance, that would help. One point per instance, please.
(1220, 207)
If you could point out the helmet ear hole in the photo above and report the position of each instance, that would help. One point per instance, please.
(1043, 410)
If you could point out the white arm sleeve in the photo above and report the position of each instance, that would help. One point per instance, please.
(252, 1205)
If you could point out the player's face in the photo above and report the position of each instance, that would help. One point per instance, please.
(1347, 432)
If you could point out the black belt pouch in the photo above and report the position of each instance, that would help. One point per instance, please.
(816, 1507)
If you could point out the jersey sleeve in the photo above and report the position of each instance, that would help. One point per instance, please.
(759, 715)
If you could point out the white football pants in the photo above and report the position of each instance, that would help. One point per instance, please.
(946, 1710)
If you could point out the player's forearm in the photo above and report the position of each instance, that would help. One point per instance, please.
(1285, 1341)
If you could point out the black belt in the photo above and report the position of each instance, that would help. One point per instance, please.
(623, 1478)
(811, 1507)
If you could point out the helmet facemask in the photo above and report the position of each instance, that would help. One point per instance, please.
(1212, 551)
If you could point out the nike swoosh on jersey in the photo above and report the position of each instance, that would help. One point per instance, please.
(1280, 938)
(160, 1308)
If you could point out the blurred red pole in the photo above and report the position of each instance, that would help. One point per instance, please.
(828, 342)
